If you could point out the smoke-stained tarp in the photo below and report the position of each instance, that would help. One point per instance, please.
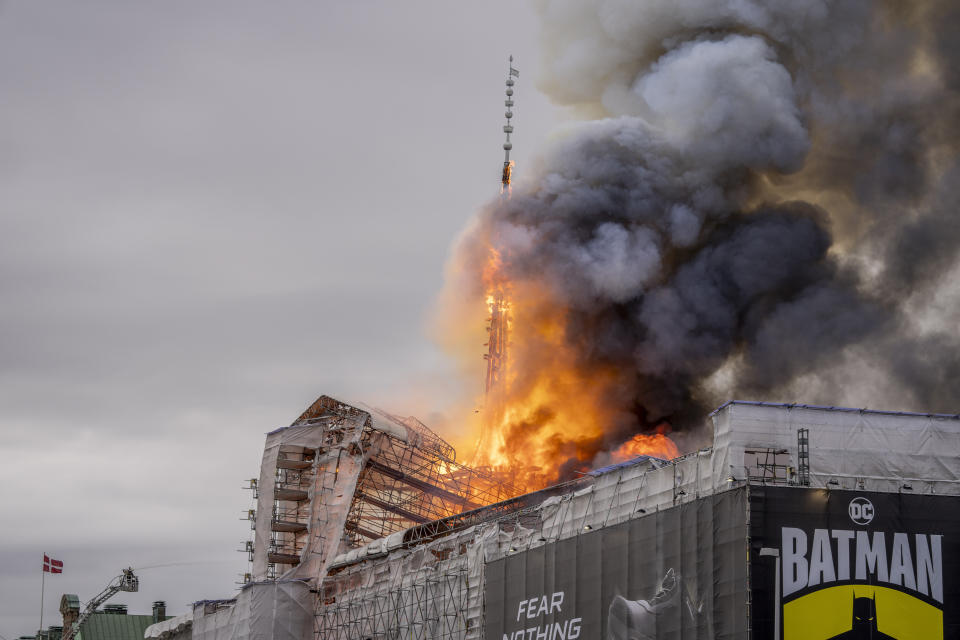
(677, 573)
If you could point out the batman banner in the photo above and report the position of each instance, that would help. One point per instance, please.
(854, 564)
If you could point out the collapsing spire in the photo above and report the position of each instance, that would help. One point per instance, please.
(497, 300)
(498, 322)
(498, 305)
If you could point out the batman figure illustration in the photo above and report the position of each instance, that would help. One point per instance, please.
(864, 624)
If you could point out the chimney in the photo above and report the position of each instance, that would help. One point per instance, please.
(69, 609)
(159, 611)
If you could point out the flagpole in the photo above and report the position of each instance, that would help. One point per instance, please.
(43, 580)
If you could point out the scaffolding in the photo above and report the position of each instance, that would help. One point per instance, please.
(768, 466)
(427, 609)
(290, 517)
(251, 515)
(342, 476)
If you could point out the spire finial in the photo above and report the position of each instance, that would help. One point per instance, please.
(508, 129)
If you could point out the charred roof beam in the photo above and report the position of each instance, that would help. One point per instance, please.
(366, 533)
(425, 487)
(395, 509)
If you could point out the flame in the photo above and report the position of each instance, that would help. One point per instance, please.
(492, 274)
(548, 414)
(658, 445)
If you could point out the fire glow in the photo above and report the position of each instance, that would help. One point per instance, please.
(546, 414)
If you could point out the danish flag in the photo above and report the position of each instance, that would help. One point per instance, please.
(52, 566)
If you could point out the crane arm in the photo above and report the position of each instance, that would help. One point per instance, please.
(126, 581)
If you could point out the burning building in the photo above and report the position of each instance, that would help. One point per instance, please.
(796, 521)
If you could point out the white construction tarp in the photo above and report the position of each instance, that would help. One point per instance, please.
(280, 610)
(303, 436)
(336, 471)
(177, 628)
(849, 448)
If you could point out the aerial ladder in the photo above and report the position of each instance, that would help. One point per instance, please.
(126, 581)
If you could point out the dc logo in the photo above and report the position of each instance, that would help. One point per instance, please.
(861, 511)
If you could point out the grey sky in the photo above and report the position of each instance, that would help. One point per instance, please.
(210, 213)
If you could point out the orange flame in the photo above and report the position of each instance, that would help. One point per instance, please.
(549, 413)
(657, 445)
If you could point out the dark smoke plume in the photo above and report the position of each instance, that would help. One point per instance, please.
(761, 204)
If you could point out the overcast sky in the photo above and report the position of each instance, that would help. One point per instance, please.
(210, 214)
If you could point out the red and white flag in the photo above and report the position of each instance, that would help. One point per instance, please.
(52, 566)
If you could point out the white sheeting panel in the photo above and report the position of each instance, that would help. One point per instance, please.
(216, 621)
(177, 628)
(281, 610)
(336, 472)
(879, 450)
(399, 432)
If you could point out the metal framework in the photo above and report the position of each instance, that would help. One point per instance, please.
(404, 485)
(770, 465)
(498, 328)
